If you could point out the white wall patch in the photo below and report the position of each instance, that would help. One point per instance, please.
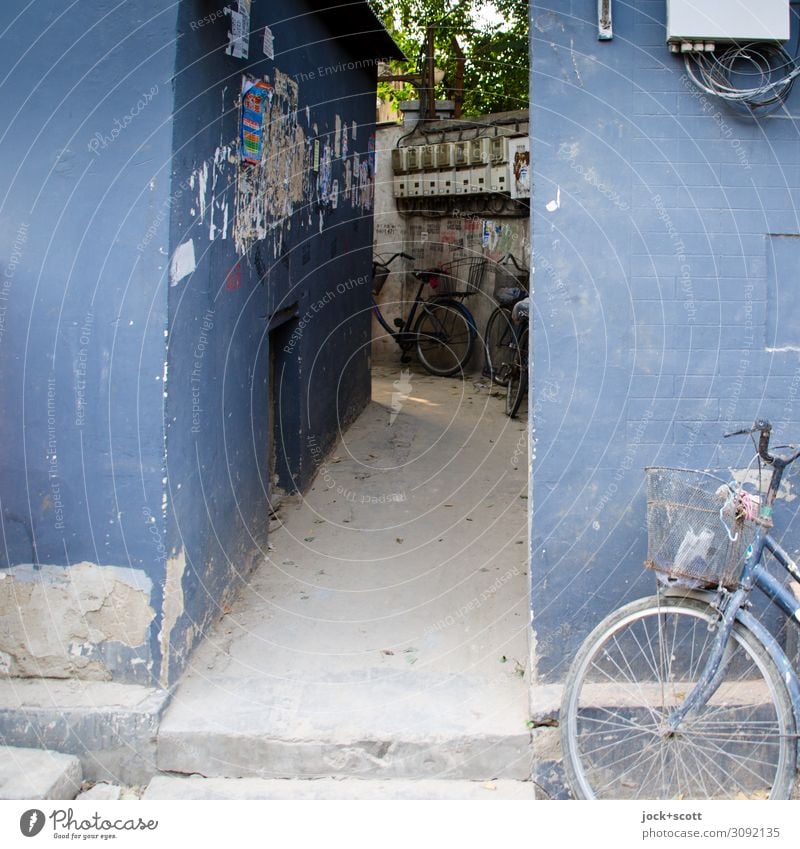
(182, 263)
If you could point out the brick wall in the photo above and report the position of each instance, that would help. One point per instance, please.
(666, 235)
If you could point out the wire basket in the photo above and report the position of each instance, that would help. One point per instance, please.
(510, 283)
(691, 517)
(379, 275)
(461, 276)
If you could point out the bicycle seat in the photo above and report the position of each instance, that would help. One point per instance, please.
(521, 310)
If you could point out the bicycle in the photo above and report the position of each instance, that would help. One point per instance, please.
(498, 340)
(517, 368)
(440, 328)
(687, 694)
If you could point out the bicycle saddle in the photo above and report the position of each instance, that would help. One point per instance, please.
(521, 310)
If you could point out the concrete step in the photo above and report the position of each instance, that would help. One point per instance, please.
(171, 788)
(110, 727)
(405, 725)
(38, 774)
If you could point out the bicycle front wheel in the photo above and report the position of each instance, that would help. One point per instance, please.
(498, 344)
(444, 338)
(637, 666)
(518, 374)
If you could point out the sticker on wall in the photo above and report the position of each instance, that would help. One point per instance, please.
(355, 130)
(344, 142)
(239, 35)
(256, 100)
(356, 173)
(269, 43)
(335, 194)
(315, 160)
(325, 173)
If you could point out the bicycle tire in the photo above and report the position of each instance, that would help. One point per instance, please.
(518, 375)
(497, 345)
(642, 660)
(445, 337)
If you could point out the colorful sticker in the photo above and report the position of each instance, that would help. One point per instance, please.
(256, 100)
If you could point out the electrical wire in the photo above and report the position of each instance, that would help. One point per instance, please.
(757, 76)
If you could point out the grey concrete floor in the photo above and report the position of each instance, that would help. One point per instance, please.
(393, 607)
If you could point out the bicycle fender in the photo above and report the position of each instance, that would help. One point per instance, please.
(462, 309)
(781, 661)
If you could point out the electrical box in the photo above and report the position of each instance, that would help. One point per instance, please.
(690, 21)
(444, 155)
(428, 156)
(462, 181)
(430, 184)
(399, 160)
(479, 151)
(400, 186)
(479, 180)
(447, 182)
(500, 178)
(498, 149)
(414, 158)
(415, 185)
(461, 153)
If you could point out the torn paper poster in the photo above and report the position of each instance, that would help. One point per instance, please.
(256, 100)
(269, 43)
(182, 263)
(337, 137)
(344, 142)
(239, 35)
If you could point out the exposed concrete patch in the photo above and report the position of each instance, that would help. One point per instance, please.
(173, 608)
(61, 622)
(110, 727)
(38, 774)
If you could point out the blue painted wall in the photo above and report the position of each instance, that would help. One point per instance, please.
(88, 105)
(658, 284)
(302, 290)
(136, 319)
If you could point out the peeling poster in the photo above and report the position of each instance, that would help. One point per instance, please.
(239, 35)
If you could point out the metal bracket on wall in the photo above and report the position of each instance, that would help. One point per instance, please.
(605, 30)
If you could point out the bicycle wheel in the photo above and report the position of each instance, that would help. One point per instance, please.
(518, 374)
(444, 338)
(498, 346)
(638, 665)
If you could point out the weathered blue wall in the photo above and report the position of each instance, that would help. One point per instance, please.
(85, 148)
(657, 283)
(290, 259)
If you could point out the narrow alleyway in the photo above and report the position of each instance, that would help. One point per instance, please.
(387, 634)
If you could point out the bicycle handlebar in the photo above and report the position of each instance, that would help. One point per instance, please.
(764, 428)
(392, 258)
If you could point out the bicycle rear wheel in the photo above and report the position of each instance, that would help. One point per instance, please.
(518, 374)
(444, 338)
(637, 666)
(498, 345)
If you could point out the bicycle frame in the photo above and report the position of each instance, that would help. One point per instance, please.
(405, 330)
(732, 608)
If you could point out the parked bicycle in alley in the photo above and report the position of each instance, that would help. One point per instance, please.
(440, 328)
(693, 693)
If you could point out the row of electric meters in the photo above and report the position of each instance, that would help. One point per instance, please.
(460, 154)
(486, 179)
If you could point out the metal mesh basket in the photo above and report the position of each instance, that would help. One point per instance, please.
(462, 276)
(510, 281)
(689, 516)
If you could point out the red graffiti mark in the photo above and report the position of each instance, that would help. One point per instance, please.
(234, 278)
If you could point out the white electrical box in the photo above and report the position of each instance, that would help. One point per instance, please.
(399, 160)
(461, 153)
(498, 149)
(478, 151)
(415, 185)
(430, 184)
(500, 178)
(428, 156)
(400, 186)
(444, 155)
(414, 158)
(727, 20)
(447, 182)
(479, 180)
